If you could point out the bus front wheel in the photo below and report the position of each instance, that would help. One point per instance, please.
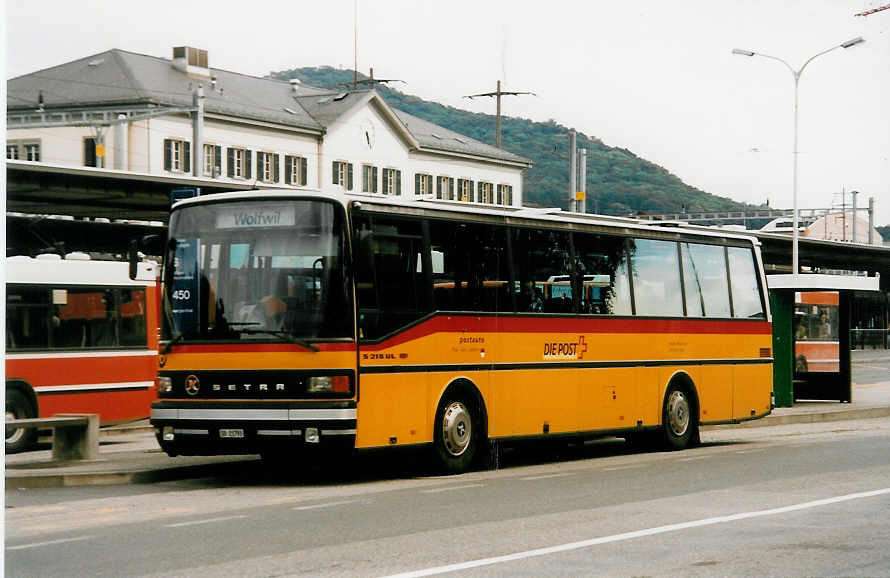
(18, 407)
(678, 418)
(456, 435)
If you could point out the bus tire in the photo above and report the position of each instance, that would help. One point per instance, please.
(457, 433)
(19, 407)
(679, 419)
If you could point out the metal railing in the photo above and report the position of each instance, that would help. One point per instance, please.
(870, 338)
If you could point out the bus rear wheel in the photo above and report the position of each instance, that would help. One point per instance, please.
(456, 435)
(18, 407)
(678, 419)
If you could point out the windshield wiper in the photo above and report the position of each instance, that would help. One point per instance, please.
(286, 335)
(176, 339)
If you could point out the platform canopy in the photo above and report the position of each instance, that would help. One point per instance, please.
(821, 282)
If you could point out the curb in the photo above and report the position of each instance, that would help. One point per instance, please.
(809, 417)
(168, 473)
(145, 476)
(820, 417)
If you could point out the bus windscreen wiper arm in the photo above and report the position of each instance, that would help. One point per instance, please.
(283, 334)
(176, 339)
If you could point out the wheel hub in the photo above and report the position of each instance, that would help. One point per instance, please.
(456, 428)
(678, 413)
(13, 434)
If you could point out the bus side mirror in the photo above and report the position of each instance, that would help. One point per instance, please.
(137, 248)
(133, 258)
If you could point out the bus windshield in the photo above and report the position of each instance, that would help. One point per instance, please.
(257, 270)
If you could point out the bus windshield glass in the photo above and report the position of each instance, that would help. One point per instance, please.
(257, 270)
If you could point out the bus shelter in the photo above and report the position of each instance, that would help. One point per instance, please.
(811, 335)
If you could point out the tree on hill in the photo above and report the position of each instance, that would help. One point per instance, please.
(618, 181)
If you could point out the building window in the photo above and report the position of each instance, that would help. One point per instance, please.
(392, 182)
(212, 160)
(369, 179)
(505, 195)
(343, 174)
(465, 190)
(32, 151)
(24, 150)
(267, 167)
(445, 188)
(295, 170)
(177, 157)
(238, 163)
(93, 158)
(486, 192)
(423, 184)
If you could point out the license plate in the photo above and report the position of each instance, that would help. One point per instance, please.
(231, 433)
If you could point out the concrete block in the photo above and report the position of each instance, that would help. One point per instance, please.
(78, 440)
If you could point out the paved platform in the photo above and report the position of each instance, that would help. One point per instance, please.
(130, 454)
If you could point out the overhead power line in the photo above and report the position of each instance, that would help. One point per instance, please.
(498, 93)
(873, 10)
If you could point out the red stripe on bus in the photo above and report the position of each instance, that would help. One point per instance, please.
(72, 371)
(261, 347)
(109, 404)
(503, 324)
(471, 324)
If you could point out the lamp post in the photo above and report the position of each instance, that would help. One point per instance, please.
(796, 75)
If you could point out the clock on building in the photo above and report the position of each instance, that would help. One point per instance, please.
(367, 133)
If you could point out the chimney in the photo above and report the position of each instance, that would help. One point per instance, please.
(192, 61)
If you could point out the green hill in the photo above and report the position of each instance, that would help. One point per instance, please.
(618, 181)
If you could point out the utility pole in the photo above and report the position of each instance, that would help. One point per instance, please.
(100, 146)
(853, 194)
(198, 130)
(498, 94)
(573, 170)
(355, 44)
(581, 196)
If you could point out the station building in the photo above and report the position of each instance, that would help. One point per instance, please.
(175, 117)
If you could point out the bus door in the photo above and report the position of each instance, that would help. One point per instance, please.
(396, 332)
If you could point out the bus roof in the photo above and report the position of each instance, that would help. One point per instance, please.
(529, 216)
(53, 270)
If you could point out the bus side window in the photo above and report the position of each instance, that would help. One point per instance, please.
(474, 274)
(656, 278)
(27, 317)
(103, 324)
(601, 271)
(538, 257)
(704, 277)
(391, 288)
(132, 317)
(745, 290)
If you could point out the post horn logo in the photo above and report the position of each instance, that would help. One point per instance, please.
(192, 385)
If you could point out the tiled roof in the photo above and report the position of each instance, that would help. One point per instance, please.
(434, 137)
(117, 77)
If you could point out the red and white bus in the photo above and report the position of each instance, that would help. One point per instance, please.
(816, 345)
(81, 337)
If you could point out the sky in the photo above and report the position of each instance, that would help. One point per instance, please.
(652, 76)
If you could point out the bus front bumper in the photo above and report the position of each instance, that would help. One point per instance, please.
(228, 428)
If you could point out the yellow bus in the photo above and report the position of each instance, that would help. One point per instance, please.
(299, 320)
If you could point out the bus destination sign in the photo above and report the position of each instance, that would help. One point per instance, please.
(254, 217)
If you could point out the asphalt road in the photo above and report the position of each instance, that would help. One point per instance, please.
(804, 500)
(870, 366)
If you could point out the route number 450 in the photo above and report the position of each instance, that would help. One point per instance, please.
(182, 295)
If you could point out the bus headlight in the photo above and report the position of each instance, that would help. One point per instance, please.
(328, 384)
(165, 384)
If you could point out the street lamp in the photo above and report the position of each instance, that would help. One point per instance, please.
(796, 74)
